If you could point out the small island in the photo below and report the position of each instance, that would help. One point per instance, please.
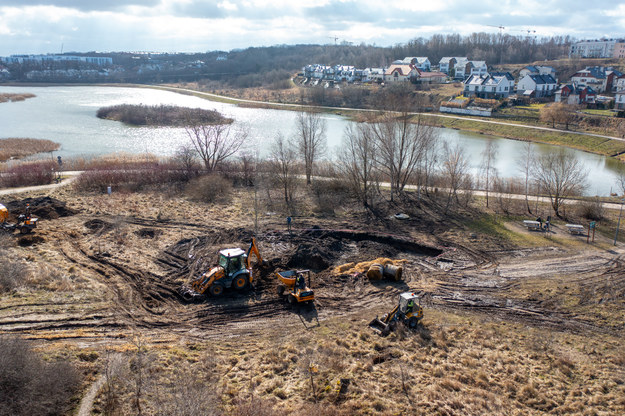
(16, 148)
(161, 115)
(6, 97)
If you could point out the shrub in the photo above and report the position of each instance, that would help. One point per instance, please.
(591, 209)
(210, 189)
(28, 174)
(12, 274)
(30, 386)
(130, 175)
(330, 194)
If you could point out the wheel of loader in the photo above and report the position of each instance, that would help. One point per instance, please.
(241, 282)
(24, 230)
(216, 290)
(413, 321)
(292, 300)
(281, 289)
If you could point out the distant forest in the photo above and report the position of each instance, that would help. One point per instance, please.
(275, 61)
(272, 66)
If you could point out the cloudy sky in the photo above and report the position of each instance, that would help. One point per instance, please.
(46, 26)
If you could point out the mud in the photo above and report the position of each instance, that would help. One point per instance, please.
(146, 294)
(41, 207)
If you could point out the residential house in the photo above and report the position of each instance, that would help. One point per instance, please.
(493, 86)
(446, 64)
(461, 68)
(537, 86)
(344, 73)
(597, 77)
(537, 70)
(373, 75)
(619, 83)
(478, 68)
(619, 100)
(420, 62)
(575, 94)
(432, 77)
(400, 73)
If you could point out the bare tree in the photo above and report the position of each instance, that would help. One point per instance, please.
(558, 113)
(561, 175)
(401, 144)
(358, 161)
(455, 168)
(311, 139)
(186, 158)
(524, 165)
(489, 155)
(216, 142)
(283, 160)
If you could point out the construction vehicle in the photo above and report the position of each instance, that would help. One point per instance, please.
(233, 269)
(292, 284)
(408, 311)
(25, 223)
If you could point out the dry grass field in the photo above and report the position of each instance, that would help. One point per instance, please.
(516, 323)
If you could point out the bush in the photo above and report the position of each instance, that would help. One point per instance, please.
(210, 189)
(330, 194)
(28, 174)
(591, 210)
(30, 386)
(130, 176)
(12, 274)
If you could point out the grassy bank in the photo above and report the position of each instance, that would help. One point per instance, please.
(593, 144)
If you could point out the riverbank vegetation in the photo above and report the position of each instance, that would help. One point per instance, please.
(161, 115)
(16, 148)
(6, 97)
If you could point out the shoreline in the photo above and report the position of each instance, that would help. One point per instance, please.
(561, 138)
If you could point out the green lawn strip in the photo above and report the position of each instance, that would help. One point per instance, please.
(593, 144)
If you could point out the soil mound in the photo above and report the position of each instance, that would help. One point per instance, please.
(29, 240)
(43, 207)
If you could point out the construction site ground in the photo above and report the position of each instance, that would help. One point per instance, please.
(529, 325)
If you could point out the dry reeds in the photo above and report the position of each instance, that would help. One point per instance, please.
(161, 115)
(15, 148)
(28, 174)
(6, 97)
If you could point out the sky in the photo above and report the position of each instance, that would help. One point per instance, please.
(52, 26)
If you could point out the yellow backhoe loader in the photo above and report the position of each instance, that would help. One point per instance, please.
(233, 269)
(408, 311)
(292, 284)
(25, 223)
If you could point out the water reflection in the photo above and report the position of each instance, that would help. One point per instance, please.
(67, 115)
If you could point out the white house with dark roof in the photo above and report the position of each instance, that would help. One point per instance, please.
(373, 75)
(619, 100)
(421, 62)
(537, 70)
(446, 64)
(461, 68)
(478, 68)
(537, 85)
(493, 86)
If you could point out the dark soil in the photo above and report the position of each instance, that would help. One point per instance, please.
(43, 207)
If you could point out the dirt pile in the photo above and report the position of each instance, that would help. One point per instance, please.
(43, 207)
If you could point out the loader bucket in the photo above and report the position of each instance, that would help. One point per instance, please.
(380, 327)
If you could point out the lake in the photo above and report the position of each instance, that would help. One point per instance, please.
(67, 115)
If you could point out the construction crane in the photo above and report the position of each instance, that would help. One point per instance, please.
(501, 28)
(335, 39)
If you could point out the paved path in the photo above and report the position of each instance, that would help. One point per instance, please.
(300, 106)
(70, 177)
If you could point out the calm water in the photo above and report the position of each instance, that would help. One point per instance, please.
(67, 115)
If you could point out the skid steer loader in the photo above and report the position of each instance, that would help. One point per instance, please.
(292, 284)
(408, 311)
(234, 269)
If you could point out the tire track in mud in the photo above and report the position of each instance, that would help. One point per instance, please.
(464, 279)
